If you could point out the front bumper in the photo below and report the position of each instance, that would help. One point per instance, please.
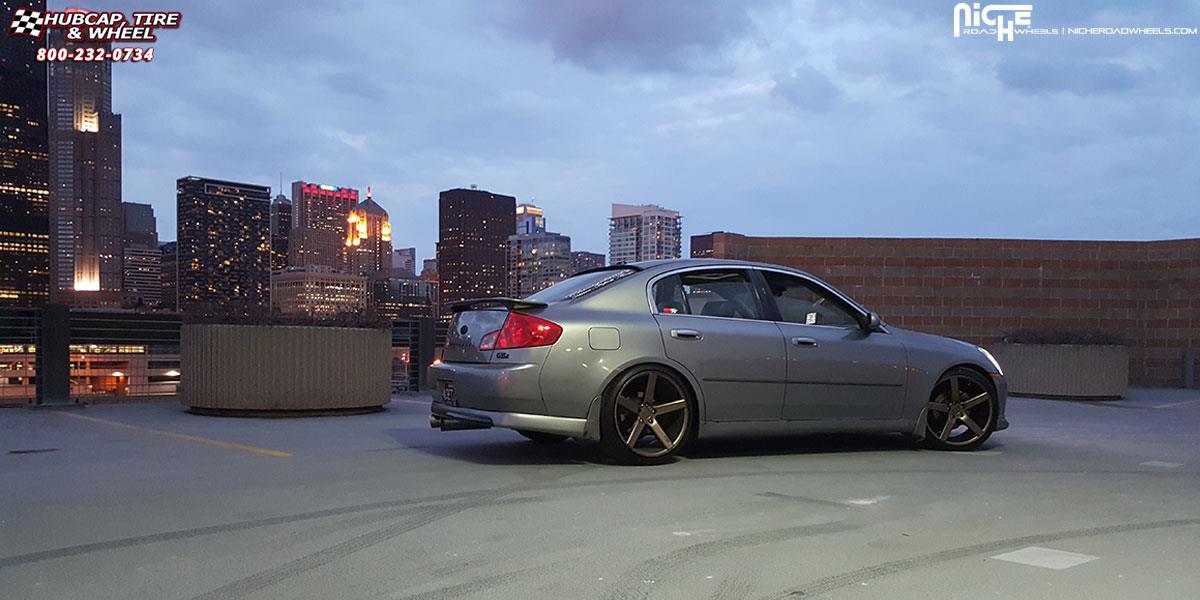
(448, 418)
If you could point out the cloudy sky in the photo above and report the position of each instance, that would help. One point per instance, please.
(766, 118)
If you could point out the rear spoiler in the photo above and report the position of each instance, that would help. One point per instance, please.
(488, 303)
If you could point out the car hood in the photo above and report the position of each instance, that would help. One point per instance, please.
(928, 341)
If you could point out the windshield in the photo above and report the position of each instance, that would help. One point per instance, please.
(579, 285)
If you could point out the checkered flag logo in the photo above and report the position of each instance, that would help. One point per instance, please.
(27, 22)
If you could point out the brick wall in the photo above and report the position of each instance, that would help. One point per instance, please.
(978, 289)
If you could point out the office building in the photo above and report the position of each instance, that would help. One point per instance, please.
(368, 239)
(318, 292)
(582, 260)
(139, 227)
(404, 262)
(537, 259)
(403, 297)
(530, 219)
(319, 214)
(281, 226)
(643, 232)
(473, 230)
(224, 246)
(142, 276)
(24, 168)
(85, 179)
(169, 272)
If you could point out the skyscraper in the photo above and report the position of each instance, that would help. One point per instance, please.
(404, 262)
(169, 272)
(224, 246)
(473, 230)
(530, 219)
(643, 232)
(142, 276)
(318, 233)
(582, 260)
(85, 178)
(368, 239)
(537, 259)
(139, 227)
(24, 176)
(281, 226)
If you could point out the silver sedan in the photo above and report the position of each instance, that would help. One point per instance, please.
(645, 357)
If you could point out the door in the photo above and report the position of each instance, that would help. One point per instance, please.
(711, 321)
(835, 369)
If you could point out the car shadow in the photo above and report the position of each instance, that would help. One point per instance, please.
(503, 447)
(493, 447)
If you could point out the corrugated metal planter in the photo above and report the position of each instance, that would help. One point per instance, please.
(1064, 371)
(279, 369)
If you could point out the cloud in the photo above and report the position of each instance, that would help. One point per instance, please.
(807, 89)
(1083, 78)
(686, 36)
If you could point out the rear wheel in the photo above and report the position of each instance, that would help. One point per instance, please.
(543, 438)
(962, 411)
(646, 416)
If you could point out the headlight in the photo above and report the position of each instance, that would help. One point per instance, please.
(991, 359)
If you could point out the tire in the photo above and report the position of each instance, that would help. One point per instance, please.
(543, 438)
(659, 428)
(962, 411)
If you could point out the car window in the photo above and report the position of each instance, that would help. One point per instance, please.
(800, 301)
(578, 285)
(711, 293)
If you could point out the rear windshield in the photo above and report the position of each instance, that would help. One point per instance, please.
(574, 287)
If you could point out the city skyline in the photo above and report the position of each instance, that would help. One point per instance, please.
(729, 108)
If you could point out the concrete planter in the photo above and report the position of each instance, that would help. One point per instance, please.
(1064, 371)
(278, 370)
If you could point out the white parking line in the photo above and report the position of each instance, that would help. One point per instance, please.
(1161, 464)
(1047, 558)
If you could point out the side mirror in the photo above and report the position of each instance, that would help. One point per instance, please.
(873, 323)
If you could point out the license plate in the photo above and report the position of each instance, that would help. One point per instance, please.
(447, 393)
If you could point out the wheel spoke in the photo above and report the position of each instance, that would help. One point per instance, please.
(970, 423)
(661, 435)
(939, 406)
(670, 407)
(635, 433)
(951, 423)
(651, 380)
(629, 404)
(976, 401)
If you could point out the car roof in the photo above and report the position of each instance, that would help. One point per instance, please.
(658, 266)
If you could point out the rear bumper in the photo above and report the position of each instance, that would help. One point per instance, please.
(448, 418)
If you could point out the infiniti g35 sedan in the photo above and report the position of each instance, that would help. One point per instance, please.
(644, 358)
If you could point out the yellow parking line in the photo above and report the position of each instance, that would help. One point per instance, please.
(183, 436)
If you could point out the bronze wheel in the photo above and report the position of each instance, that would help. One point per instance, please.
(648, 416)
(961, 413)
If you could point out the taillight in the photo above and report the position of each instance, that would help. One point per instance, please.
(521, 331)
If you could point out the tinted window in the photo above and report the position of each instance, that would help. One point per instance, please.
(714, 293)
(576, 286)
(800, 301)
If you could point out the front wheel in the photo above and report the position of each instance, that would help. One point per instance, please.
(646, 416)
(962, 411)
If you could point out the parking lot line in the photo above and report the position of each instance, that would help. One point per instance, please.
(183, 436)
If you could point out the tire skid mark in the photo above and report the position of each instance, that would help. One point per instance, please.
(119, 543)
(632, 583)
(481, 584)
(834, 582)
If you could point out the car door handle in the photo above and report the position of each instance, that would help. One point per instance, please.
(685, 334)
(803, 341)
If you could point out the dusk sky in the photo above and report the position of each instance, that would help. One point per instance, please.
(764, 118)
